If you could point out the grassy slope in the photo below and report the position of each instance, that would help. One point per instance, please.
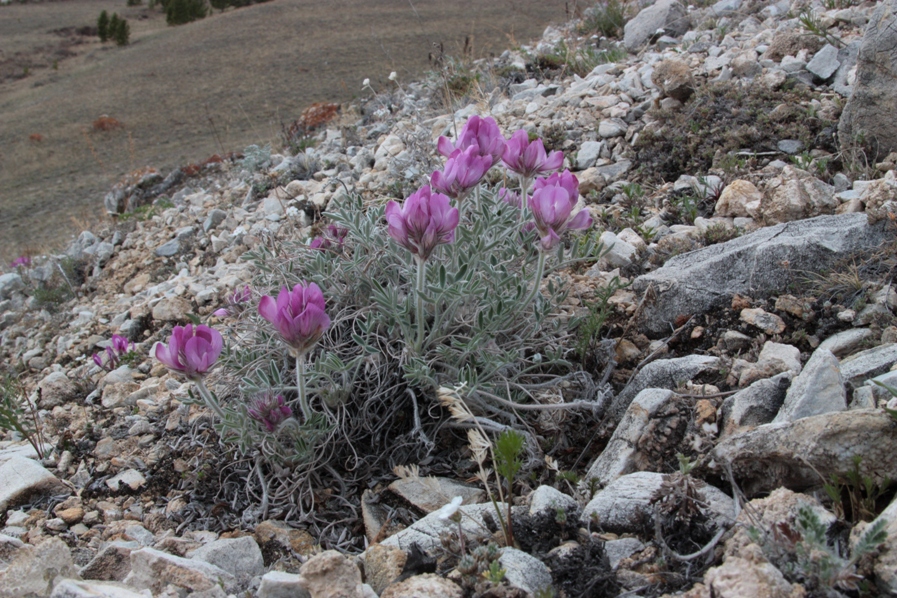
(247, 70)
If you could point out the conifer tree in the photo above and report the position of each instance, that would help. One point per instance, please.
(103, 26)
(122, 33)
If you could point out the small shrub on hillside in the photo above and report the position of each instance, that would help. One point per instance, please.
(107, 123)
(180, 12)
(606, 18)
(296, 136)
(722, 118)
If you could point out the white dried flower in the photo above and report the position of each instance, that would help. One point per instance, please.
(393, 76)
(448, 511)
(365, 83)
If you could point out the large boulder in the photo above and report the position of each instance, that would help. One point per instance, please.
(868, 122)
(758, 264)
(805, 453)
(666, 15)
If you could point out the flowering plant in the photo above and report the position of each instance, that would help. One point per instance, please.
(422, 294)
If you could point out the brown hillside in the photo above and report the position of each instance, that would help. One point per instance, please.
(244, 71)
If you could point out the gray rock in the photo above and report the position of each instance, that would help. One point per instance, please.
(20, 477)
(169, 249)
(886, 563)
(56, 389)
(279, 584)
(769, 323)
(613, 127)
(725, 7)
(825, 62)
(790, 146)
(588, 153)
(131, 478)
(709, 277)
(331, 575)
(667, 15)
(619, 253)
(848, 59)
(172, 309)
(241, 557)
(626, 505)
(868, 118)
(9, 284)
(111, 563)
(546, 498)
(801, 453)
(72, 588)
(663, 373)
(861, 366)
(818, 389)
(524, 571)
(617, 550)
(430, 493)
(428, 585)
(621, 455)
(153, 569)
(214, 218)
(28, 571)
(755, 405)
(845, 342)
(613, 172)
(425, 532)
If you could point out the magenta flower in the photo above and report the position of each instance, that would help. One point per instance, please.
(334, 234)
(119, 347)
(424, 221)
(529, 159)
(552, 203)
(270, 410)
(23, 261)
(297, 315)
(463, 171)
(482, 132)
(191, 350)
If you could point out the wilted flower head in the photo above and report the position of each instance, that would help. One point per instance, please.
(333, 234)
(482, 132)
(235, 302)
(270, 410)
(425, 220)
(448, 511)
(366, 83)
(393, 76)
(552, 203)
(463, 171)
(297, 315)
(24, 261)
(509, 197)
(529, 159)
(191, 350)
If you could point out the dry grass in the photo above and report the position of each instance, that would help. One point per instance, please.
(241, 73)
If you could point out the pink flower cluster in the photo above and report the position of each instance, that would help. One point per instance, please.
(118, 347)
(426, 219)
(270, 410)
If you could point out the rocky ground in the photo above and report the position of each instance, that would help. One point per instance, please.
(742, 449)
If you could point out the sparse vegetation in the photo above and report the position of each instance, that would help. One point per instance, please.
(606, 18)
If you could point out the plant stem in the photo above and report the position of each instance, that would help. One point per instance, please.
(540, 268)
(421, 279)
(209, 398)
(524, 188)
(510, 537)
(300, 384)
